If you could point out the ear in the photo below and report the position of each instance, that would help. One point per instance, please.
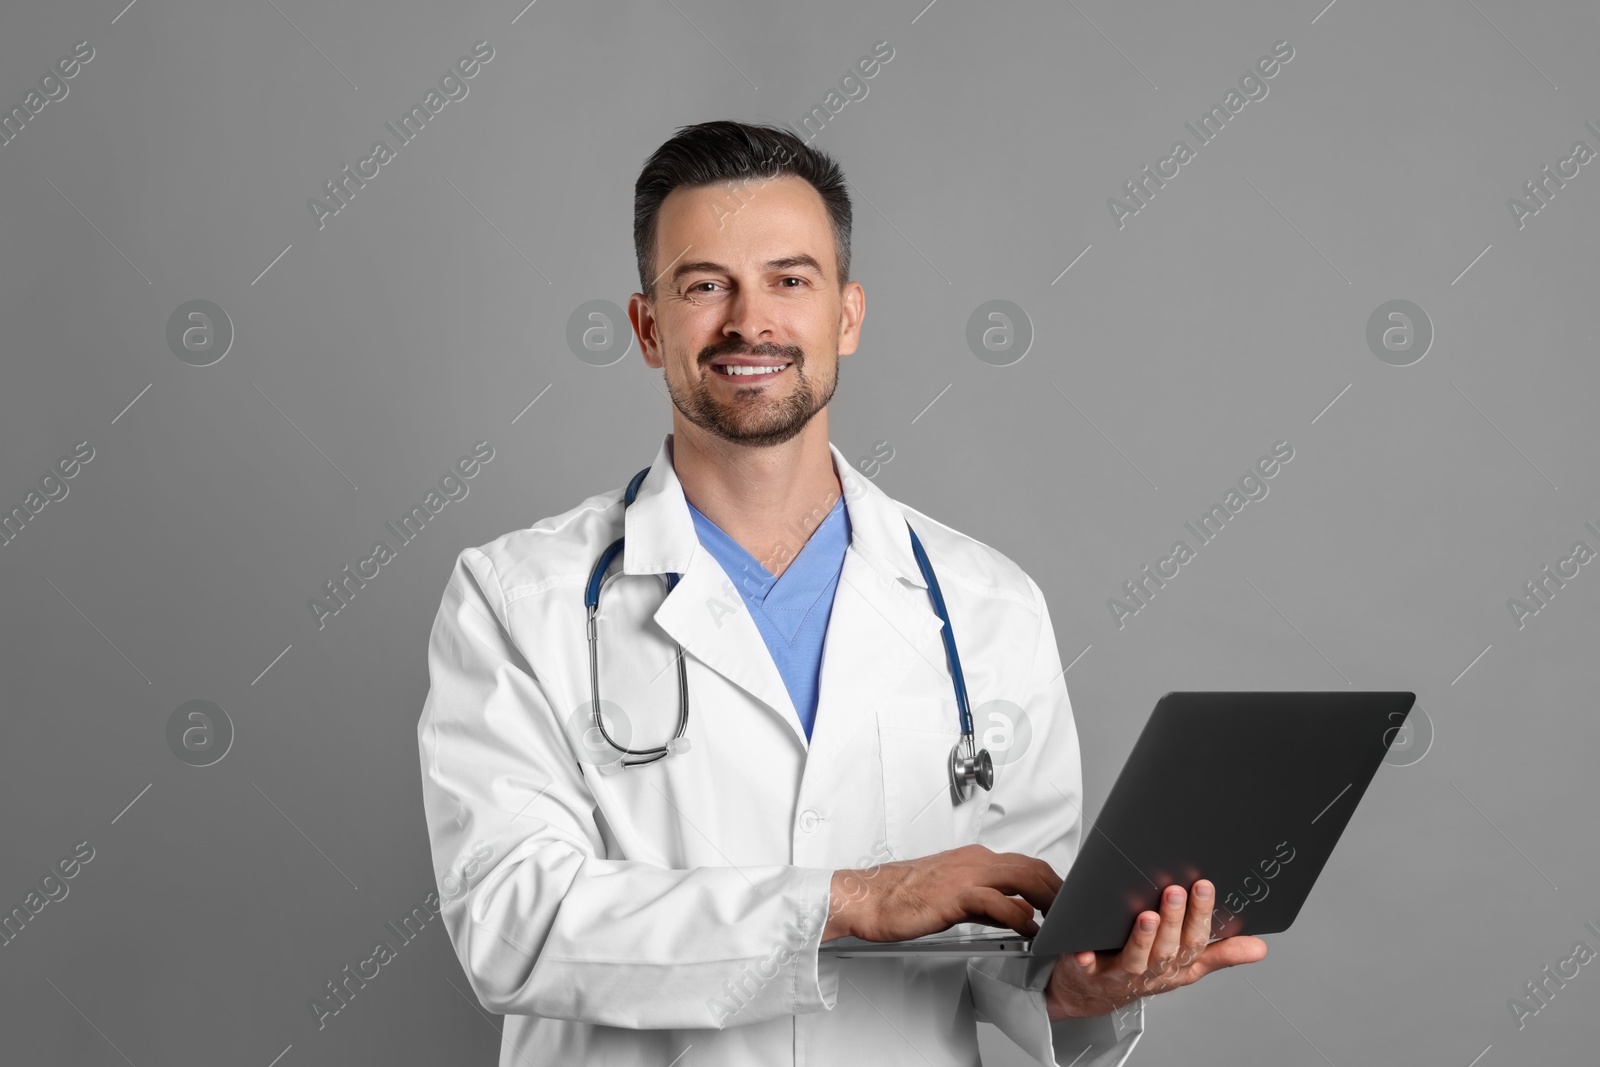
(853, 308)
(645, 328)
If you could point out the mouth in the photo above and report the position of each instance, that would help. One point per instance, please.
(749, 374)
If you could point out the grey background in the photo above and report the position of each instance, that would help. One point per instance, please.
(1224, 317)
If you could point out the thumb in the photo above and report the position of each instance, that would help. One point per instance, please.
(1230, 952)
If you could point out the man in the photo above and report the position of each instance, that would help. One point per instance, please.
(672, 904)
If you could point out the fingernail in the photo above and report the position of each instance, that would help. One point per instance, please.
(1147, 923)
(1203, 891)
(1174, 895)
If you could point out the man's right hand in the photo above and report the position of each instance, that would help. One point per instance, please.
(903, 899)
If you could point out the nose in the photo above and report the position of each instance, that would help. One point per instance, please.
(751, 316)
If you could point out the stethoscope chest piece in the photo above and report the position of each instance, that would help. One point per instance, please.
(970, 766)
(967, 770)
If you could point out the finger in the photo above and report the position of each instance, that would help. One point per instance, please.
(1094, 962)
(1032, 879)
(1197, 923)
(1229, 952)
(1017, 865)
(1135, 955)
(1017, 861)
(1051, 879)
(1052, 886)
(1164, 949)
(982, 903)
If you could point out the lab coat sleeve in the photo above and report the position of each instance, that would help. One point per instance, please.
(542, 922)
(1035, 808)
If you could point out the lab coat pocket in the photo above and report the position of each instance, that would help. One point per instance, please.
(920, 816)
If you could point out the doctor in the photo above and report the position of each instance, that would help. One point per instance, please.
(667, 906)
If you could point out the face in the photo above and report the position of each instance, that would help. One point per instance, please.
(748, 274)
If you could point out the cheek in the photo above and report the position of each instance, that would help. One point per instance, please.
(695, 328)
(819, 365)
(680, 339)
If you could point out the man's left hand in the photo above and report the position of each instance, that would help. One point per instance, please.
(1173, 952)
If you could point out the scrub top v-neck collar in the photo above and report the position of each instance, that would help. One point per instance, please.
(787, 600)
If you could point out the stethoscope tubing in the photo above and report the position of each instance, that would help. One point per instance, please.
(973, 766)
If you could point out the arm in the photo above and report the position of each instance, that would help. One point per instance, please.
(542, 922)
(1036, 809)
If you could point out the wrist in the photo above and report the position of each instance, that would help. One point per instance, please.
(1058, 1003)
(841, 908)
(1055, 1008)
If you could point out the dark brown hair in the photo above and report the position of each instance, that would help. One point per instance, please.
(711, 153)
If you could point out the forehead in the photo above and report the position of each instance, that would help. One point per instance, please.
(750, 220)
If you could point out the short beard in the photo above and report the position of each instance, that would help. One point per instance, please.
(778, 421)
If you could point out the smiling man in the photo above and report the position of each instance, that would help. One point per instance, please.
(744, 310)
(680, 799)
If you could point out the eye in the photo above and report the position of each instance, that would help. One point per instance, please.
(794, 278)
(695, 288)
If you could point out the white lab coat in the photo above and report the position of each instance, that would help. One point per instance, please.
(629, 917)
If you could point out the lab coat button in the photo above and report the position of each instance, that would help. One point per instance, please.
(809, 820)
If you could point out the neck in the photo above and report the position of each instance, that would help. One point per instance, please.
(768, 499)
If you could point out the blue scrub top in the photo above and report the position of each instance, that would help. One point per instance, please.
(791, 611)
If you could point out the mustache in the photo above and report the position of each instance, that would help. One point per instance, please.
(733, 347)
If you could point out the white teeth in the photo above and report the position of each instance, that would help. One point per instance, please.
(730, 369)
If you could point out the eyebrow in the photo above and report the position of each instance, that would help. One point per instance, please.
(705, 266)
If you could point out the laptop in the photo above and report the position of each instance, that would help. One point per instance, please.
(1261, 834)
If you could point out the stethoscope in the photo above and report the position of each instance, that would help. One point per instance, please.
(969, 765)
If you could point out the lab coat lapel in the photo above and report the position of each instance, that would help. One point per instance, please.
(883, 638)
(881, 630)
(704, 613)
(707, 616)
